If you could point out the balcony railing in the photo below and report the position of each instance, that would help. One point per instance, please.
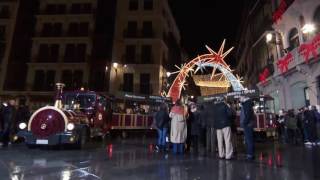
(296, 59)
(137, 88)
(137, 59)
(138, 34)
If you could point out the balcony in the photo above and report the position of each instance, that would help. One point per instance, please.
(137, 59)
(4, 15)
(295, 58)
(137, 88)
(138, 34)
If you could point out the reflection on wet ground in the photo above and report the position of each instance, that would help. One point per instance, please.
(136, 160)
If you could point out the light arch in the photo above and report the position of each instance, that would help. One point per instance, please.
(214, 60)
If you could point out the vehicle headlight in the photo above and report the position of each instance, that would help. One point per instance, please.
(70, 126)
(22, 125)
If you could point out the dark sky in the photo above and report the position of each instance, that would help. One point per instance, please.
(208, 22)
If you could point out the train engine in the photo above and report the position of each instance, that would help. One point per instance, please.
(67, 122)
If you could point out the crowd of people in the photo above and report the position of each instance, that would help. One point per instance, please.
(300, 127)
(10, 116)
(210, 126)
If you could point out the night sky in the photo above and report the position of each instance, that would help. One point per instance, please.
(208, 22)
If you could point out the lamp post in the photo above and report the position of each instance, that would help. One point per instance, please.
(106, 77)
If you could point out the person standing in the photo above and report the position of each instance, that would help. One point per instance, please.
(162, 124)
(211, 138)
(178, 132)
(194, 118)
(246, 122)
(222, 124)
(8, 117)
(291, 127)
(310, 123)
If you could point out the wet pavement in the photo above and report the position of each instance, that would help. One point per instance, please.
(132, 159)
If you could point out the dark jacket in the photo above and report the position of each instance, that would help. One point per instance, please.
(162, 119)
(310, 117)
(247, 114)
(222, 115)
(207, 115)
(23, 114)
(8, 117)
(194, 118)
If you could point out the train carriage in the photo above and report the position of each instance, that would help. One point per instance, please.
(75, 117)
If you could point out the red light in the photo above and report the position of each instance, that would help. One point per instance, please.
(270, 160)
(261, 157)
(110, 150)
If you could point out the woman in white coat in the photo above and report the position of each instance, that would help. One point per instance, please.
(178, 133)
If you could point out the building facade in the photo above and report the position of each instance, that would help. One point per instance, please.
(146, 44)
(8, 16)
(288, 58)
(71, 42)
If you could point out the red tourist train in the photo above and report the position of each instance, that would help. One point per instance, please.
(75, 117)
(79, 115)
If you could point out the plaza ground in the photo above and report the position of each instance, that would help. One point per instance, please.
(135, 159)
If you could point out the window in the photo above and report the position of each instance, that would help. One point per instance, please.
(75, 8)
(86, 8)
(147, 30)
(50, 80)
(146, 54)
(316, 19)
(2, 33)
(73, 29)
(128, 82)
(133, 5)
(83, 29)
(148, 4)
(57, 29)
(61, 9)
(132, 29)
(302, 23)
(43, 54)
(70, 53)
(293, 39)
(50, 9)
(67, 79)
(4, 12)
(98, 80)
(2, 50)
(39, 80)
(54, 53)
(46, 30)
(81, 52)
(145, 83)
(77, 79)
(130, 54)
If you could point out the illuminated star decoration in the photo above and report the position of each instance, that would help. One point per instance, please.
(219, 57)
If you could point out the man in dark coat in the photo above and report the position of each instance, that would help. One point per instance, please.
(208, 117)
(222, 124)
(194, 117)
(162, 124)
(310, 123)
(8, 118)
(246, 122)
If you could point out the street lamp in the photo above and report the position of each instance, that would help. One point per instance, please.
(308, 28)
(115, 65)
(269, 37)
(168, 74)
(106, 68)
